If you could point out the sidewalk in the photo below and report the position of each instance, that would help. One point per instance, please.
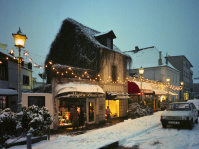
(69, 131)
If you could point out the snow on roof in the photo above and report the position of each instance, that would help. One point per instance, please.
(147, 57)
(5, 92)
(105, 33)
(78, 87)
(6, 53)
(91, 33)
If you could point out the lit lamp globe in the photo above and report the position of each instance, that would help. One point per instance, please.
(19, 39)
(141, 71)
(181, 83)
(168, 79)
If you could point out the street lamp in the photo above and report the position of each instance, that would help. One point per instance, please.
(141, 72)
(168, 80)
(181, 84)
(20, 40)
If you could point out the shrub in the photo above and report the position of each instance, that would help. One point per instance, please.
(9, 122)
(36, 120)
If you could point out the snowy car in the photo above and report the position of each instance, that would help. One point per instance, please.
(196, 103)
(181, 114)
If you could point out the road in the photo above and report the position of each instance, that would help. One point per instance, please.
(164, 138)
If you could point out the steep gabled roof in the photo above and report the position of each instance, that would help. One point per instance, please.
(91, 34)
(147, 58)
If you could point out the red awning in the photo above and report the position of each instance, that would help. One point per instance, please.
(134, 88)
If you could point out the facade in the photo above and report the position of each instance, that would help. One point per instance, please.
(9, 80)
(86, 58)
(196, 90)
(157, 69)
(184, 66)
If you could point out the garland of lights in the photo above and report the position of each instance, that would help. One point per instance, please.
(85, 75)
(25, 54)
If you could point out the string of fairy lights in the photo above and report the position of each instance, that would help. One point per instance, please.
(26, 54)
(72, 71)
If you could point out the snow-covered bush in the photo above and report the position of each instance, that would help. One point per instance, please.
(136, 110)
(36, 120)
(9, 123)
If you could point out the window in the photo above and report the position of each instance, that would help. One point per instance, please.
(109, 43)
(36, 100)
(2, 73)
(25, 80)
(114, 73)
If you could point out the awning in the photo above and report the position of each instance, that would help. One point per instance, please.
(163, 92)
(159, 92)
(135, 88)
(77, 88)
(116, 95)
(7, 92)
(174, 94)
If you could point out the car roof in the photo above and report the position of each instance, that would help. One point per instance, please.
(180, 102)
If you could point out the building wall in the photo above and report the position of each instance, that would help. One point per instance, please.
(12, 75)
(120, 85)
(184, 66)
(26, 72)
(48, 102)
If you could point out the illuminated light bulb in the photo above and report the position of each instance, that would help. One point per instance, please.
(69, 68)
(53, 68)
(0, 62)
(85, 72)
(57, 72)
(62, 73)
(72, 73)
(7, 58)
(35, 64)
(14, 57)
(46, 66)
(30, 59)
(75, 76)
(50, 62)
(66, 71)
(40, 67)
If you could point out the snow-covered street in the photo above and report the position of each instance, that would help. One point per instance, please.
(145, 132)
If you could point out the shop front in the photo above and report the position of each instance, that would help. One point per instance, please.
(86, 97)
(118, 103)
(140, 92)
(8, 99)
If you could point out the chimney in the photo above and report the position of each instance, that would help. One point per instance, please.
(136, 49)
(166, 58)
(160, 58)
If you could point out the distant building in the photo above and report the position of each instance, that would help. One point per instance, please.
(156, 68)
(9, 80)
(184, 66)
(196, 90)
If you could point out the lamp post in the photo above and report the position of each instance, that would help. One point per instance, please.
(141, 72)
(168, 81)
(181, 84)
(19, 39)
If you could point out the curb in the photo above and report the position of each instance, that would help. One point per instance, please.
(111, 146)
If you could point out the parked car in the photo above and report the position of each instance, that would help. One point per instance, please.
(196, 103)
(180, 114)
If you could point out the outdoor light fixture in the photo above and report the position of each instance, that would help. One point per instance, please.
(181, 83)
(19, 39)
(168, 80)
(141, 72)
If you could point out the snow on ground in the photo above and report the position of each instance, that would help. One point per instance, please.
(129, 133)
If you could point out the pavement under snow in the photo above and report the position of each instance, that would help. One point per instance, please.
(144, 132)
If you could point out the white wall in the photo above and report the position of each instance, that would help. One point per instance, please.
(48, 101)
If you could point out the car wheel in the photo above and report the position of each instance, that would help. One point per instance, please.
(196, 121)
(164, 126)
(191, 124)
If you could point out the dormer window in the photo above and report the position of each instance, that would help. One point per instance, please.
(109, 45)
(106, 38)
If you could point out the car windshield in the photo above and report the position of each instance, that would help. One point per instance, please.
(179, 107)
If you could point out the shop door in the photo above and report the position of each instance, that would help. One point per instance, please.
(91, 111)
